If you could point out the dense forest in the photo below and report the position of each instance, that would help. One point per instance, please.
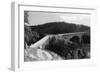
(59, 27)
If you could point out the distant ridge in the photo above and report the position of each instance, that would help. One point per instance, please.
(59, 27)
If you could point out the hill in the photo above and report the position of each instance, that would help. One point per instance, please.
(59, 28)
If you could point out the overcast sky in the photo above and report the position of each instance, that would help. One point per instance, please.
(36, 18)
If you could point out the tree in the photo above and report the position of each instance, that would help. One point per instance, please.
(26, 17)
(30, 36)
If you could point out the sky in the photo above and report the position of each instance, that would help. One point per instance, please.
(37, 18)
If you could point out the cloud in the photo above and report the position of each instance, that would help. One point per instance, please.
(70, 18)
(78, 19)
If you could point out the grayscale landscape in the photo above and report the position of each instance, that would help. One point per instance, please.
(56, 36)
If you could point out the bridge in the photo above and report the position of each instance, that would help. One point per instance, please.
(65, 36)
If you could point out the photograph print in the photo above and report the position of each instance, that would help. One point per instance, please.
(56, 36)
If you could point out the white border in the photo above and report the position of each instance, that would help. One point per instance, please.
(18, 40)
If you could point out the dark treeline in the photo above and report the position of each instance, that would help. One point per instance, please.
(59, 27)
(71, 49)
